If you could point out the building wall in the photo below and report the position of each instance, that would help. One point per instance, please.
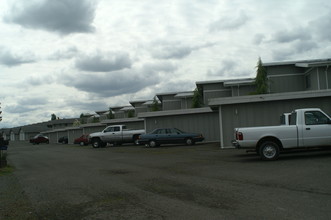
(320, 78)
(171, 104)
(131, 125)
(205, 123)
(286, 83)
(89, 130)
(242, 90)
(186, 103)
(210, 94)
(284, 69)
(53, 137)
(263, 113)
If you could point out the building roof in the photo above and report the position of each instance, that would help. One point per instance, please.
(228, 82)
(121, 120)
(302, 63)
(174, 112)
(184, 95)
(269, 97)
(127, 108)
(240, 82)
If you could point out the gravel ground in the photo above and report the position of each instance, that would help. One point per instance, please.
(171, 182)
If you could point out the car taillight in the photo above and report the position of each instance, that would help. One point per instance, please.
(239, 136)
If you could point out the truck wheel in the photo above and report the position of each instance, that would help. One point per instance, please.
(96, 143)
(152, 143)
(269, 150)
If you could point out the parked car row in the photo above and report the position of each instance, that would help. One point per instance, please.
(40, 138)
(119, 134)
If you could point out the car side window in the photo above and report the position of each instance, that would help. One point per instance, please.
(315, 118)
(173, 131)
(117, 129)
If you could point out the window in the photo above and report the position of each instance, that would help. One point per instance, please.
(117, 129)
(293, 118)
(161, 131)
(109, 129)
(315, 118)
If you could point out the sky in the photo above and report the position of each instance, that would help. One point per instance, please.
(68, 57)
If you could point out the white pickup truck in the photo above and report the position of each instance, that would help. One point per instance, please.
(307, 128)
(115, 134)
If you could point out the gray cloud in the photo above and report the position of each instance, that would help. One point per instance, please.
(229, 68)
(61, 16)
(171, 52)
(258, 39)
(229, 22)
(321, 27)
(292, 35)
(18, 109)
(67, 53)
(86, 105)
(104, 62)
(33, 101)
(9, 59)
(174, 50)
(118, 82)
(38, 80)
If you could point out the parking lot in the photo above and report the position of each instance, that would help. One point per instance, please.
(54, 181)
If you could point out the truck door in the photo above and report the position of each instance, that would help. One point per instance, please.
(116, 135)
(316, 129)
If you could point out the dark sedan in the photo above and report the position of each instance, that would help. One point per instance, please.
(169, 136)
(39, 138)
(63, 140)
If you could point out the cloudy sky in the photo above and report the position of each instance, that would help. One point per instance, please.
(72, 56)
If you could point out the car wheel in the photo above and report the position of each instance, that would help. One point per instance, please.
(189, 141)
(96, 143)
(81, 143)
(269, 150)
(152, 143)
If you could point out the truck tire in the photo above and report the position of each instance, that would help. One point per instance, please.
(96, 143)
(269, 150)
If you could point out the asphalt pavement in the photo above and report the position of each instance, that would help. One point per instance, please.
(55, 181)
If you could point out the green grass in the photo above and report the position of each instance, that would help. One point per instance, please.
(6, 170)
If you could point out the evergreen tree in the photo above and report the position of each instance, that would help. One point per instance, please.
(130, 113)
(155, 105)
(110, 114)
(53, 117)
(261, 80)
(197, 99)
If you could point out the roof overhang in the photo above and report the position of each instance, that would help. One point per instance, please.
(269, 97)
(175, 112)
